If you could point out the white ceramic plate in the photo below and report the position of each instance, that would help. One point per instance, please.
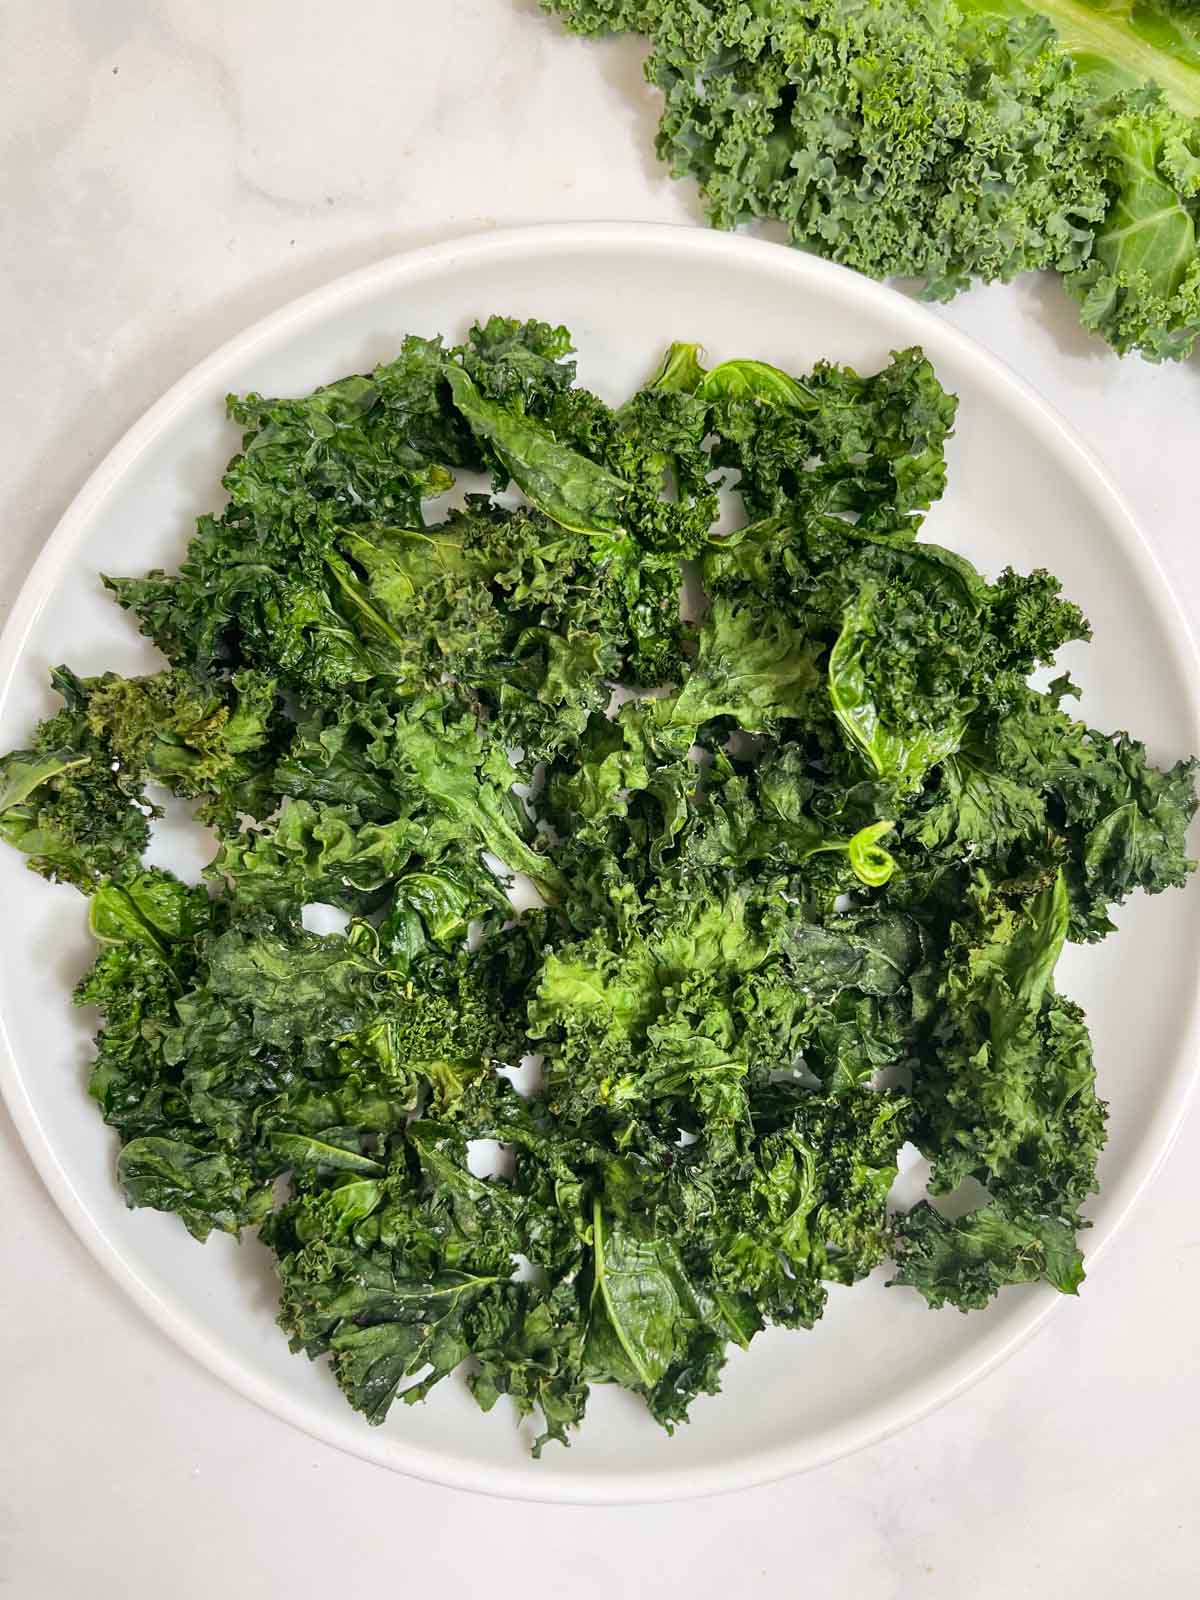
(1022, 491)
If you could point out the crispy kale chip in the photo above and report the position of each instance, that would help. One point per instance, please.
(75, 802)
(746, 883)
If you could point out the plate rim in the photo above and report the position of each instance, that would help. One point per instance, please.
(743, 1469)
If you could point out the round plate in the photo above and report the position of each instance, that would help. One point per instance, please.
(1022, 491)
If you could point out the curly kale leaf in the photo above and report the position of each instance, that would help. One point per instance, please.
(61, 808)
(691, 1016)
(1036, 788)
(198, 739)
(1138, 64)
(522, 366)
(943, 149)
(751, 667)
(809, 1207)
(967, 1261)
(430, 759)
(1005, 1089)
(834, 442)
(975, 139)
(368, 447)
(403, 1279)
(314, 853)
(278, 596)
(147, 928)
(651, 1327)
(914, 662)
(570, 489)
(150, 930)
(1140, 289)
(75, 802)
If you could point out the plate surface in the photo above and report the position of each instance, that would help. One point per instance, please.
(1022, 491)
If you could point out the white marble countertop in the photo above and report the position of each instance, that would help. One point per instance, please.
(171, 171)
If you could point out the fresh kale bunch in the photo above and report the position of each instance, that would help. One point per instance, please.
(793, 897)
(946, 140)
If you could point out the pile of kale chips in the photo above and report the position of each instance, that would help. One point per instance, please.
(803, 882)
(947, 140)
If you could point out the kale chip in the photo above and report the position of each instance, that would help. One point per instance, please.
(745, 894)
